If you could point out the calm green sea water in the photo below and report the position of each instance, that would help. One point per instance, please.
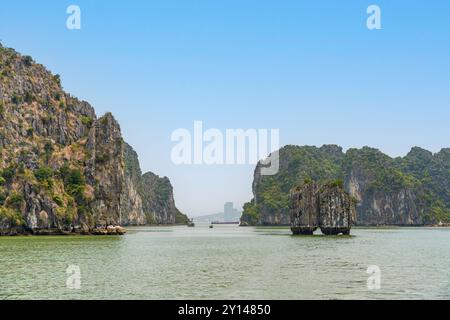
(228, 262)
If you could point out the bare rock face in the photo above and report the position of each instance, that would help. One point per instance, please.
(399, 206)
(131, 200)
(109, 170)
(337, 210)
(328, 207)
(303, 209)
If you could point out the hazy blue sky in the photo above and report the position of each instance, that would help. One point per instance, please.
(310, 68)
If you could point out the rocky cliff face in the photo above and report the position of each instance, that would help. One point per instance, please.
(62, 169)
(148, 198)
(105, 143)
(402, 206)
(412, 190)
(131, 200)
(158, 199)
(386, 194)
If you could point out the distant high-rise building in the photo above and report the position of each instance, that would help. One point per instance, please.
(228, 212)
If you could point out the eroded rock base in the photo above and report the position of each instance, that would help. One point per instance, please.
(100, 231)
(303, 230)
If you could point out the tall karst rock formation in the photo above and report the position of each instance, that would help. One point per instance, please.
(62, 169)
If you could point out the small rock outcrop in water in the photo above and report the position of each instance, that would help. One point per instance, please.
(304, 213)
(62, 169)
(337, 209)
(328, 207)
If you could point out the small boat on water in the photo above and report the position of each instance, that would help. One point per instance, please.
(191, 223)
(211, 226)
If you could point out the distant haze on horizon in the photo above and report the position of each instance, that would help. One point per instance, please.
(308, 68)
